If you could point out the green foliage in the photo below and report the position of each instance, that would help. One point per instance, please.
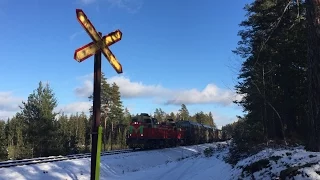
(3, 143)
(72, 133)
(116, 108)
(19, 151)
(272, 78)
(159, 114)
(39, 120)
(246, 137)
(183, 112)
(228, 130)
(114, 118)
(37, 131)
(199, 117)
(17, 147)
(171, 116)
(246, 134)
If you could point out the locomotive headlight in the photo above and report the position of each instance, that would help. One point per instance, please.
(141, 134)
(129, 134)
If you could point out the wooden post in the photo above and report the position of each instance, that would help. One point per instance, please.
(96, 110)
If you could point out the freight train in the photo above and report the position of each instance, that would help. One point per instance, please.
(146, 132)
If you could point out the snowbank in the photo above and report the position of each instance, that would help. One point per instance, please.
(271, 164)
(179, 163)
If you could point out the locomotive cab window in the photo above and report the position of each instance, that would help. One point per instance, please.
(147, 121)
(134, 120)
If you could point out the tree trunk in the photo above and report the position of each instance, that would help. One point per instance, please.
(105, 135)
(111, 135)
(265, 119)
(313, 19)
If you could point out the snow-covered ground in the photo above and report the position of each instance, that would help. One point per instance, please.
(268, 164)
(173, 164)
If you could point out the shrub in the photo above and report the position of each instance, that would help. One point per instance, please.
(257, 166)
(247, 136)
(208, 152)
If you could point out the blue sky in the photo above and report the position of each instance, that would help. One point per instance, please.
(172, 52)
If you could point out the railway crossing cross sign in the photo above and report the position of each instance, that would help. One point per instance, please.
(99, 44)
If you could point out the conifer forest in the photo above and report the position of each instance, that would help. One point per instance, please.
(279, 82)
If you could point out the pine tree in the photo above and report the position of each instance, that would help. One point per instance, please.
(112, 112)
(3, 141)
(172, 116)
(159, 114)
(64, 131)
(116, 115)
(200, 117)
(183, 112)
(17, 147)
(272, 77)
(39, 118)
(116, 108)
(105, 109)
(82, 120)
(127, 116)
(211, 121)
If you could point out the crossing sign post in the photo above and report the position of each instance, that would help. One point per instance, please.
(99, 44)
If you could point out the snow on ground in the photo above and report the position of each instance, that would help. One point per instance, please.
(170, 163)
(176, 163)
(269, 163)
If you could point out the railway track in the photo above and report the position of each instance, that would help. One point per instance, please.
(39, 160)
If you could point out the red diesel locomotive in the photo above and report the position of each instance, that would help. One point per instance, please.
(146, 132)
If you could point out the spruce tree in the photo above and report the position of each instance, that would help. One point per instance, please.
(39, 118)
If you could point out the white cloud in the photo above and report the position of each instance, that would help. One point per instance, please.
(4, 115)
(132, 6)
(75, 107)
(130, 107)
(128, 89)
(210, 94)
(85, 2)
(9, 104)
(131, 89)
(85, 90)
